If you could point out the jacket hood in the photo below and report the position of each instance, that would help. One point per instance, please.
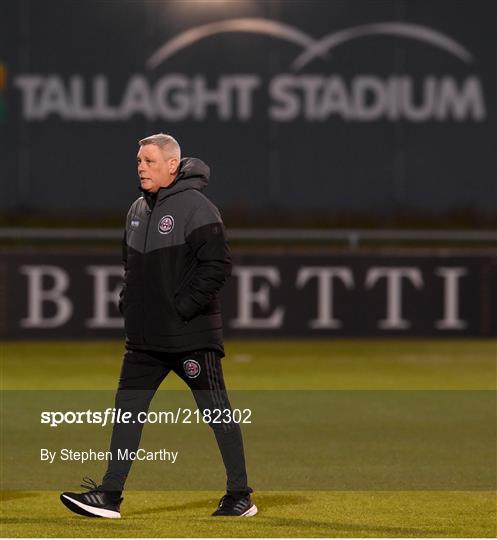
(193, 170)
(193, 174)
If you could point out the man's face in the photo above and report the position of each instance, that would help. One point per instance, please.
(155, 168)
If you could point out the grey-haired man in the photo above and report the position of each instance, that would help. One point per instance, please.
(176, 260)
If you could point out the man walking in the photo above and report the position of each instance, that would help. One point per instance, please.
(176, 260)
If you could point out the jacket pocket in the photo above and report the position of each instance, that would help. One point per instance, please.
(166, 299)
(133, 319)
(186, 307)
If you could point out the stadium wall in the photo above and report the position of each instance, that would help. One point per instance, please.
(309, 108)
(74, 295)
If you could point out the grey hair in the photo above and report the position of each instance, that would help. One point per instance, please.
(167, 143)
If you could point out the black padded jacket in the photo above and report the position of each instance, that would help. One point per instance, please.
(176, 259)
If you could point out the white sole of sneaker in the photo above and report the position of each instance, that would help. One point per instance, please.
(250, 512)
(100, 512)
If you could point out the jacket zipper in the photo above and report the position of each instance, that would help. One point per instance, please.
(148, 211)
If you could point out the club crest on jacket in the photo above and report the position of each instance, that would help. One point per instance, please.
(192, 368)
(166, 224)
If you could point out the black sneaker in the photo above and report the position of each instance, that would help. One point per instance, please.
(230, 505)
(93, 503)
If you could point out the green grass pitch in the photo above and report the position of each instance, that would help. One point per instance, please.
(257, 365)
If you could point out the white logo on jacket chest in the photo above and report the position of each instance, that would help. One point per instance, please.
(166, 224)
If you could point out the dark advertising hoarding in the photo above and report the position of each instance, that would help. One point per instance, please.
(75, 296)
(316, 105)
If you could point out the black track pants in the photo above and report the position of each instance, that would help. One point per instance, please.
(141, 375)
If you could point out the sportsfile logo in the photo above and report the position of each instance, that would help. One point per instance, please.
(291, 96)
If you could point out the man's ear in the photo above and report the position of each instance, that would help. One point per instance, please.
(173, 165)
